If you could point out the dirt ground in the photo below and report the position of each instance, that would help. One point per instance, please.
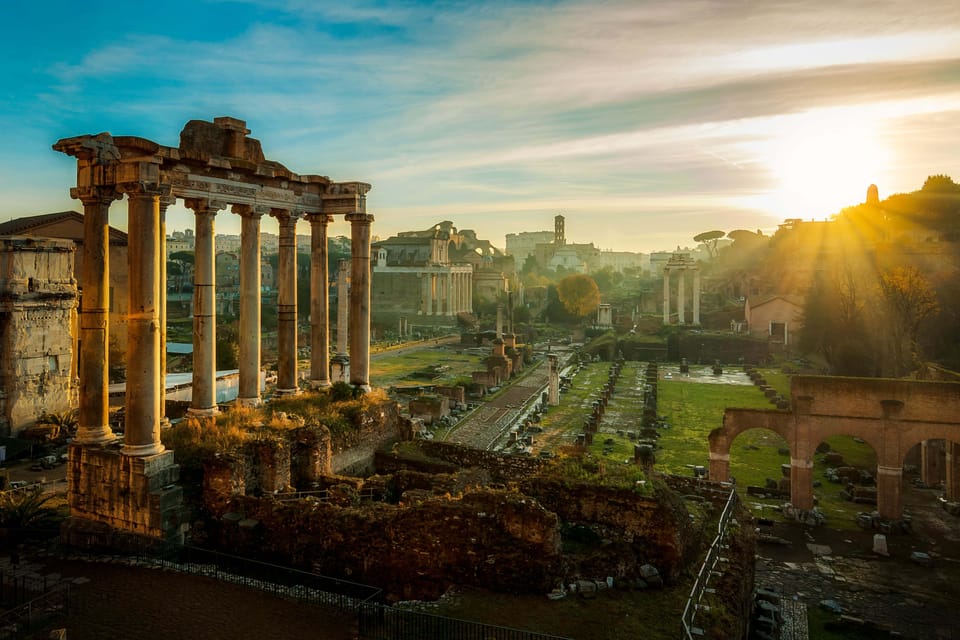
(150, 604)
(921, 602)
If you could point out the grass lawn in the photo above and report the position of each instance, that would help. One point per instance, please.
(576, 403)
(399, 369)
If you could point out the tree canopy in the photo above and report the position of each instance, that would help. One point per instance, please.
(579, 294)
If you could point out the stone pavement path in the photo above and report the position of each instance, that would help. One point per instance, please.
(483, 427)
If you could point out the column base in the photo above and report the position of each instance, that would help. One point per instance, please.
(95, 435)
(203, 413)
(142, 450)
(287, 392)
(320, 384)
(255, 401)
(363, 385)
(110, 493)
(164, 423)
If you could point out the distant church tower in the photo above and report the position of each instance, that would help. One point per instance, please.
(873, 195)
(558, 234)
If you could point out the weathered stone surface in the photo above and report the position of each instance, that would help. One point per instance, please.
(38, 299)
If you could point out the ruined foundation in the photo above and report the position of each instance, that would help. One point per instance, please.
(112, 495)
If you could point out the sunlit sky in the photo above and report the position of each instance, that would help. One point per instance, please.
(643, 123)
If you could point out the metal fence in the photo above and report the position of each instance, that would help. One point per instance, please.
(707, 570)
(380, 622)
(38, 614)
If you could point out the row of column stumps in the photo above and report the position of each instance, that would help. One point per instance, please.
(99, 169)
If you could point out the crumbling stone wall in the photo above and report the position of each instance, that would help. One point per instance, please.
(655, 525)
(378, 424)
(491, 539)
(38, 299)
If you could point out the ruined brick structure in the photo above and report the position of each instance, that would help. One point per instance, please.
(892, 416)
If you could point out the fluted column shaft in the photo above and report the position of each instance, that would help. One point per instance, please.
(165, 201)
(449, 286)
(249, 389)
(287, 304)
(319, 302)
(94, 412)
(204, 386)
(360, 298)
(142, 433)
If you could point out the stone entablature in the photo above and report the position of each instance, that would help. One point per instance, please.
(216, 166)
(38, 299)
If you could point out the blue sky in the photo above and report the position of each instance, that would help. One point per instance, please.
(644, 123)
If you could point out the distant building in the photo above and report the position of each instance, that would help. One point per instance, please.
(69, 226)
(524, 244)
(414, 281)
(776, 317)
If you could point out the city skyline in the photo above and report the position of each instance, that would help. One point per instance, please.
(643, 123)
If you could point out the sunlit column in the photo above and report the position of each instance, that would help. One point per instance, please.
(249, 385)
(287, 304)
(93, 421)
(204, 387)
(165, 201)
(448, 279)
(343, 307)
(360, 298)
(142, 433)
(319, 302)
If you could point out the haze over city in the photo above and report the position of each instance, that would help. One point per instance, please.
(642, 123)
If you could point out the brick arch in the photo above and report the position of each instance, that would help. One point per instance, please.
(890, 415)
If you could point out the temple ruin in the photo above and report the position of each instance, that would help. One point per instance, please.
(216, 165)
(680, 264)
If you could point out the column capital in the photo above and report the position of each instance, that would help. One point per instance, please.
(140, 189)
(204, 205)
(318, 218)
(249, 211)
(92, 195)
(359, 218)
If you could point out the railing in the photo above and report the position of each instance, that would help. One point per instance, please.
(706, 572)
(25, 620)
(380, 622)
(303, 586)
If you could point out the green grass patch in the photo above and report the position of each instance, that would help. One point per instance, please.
(778, 380)
(576, 403)
(400, 369)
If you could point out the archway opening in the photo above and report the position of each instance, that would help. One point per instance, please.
(845, 479)
(760, 465)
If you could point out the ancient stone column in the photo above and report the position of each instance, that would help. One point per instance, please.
(666, 295)
(553, 389)
(952, 482)
(681, 301)
(165, 201)
(287, 304)
(696, 296)
(360, 299)
(249, 383)
(142, 433)
(204, 386)
(450, 306)
(94, 415)
(343, 307)
(470, 292)
(319, 302)
(889, 498)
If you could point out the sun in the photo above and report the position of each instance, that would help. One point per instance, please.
(823, 163)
